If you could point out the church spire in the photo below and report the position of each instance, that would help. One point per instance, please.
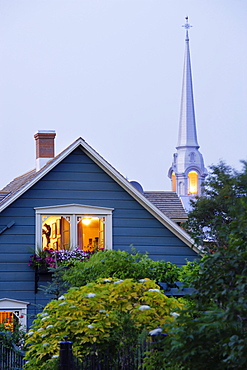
(187, 125)
(187, 171)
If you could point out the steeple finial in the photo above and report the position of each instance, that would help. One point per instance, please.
(187, 26)
(187, 172)
(187, 126)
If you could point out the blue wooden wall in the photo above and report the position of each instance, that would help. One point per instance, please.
(77, 179)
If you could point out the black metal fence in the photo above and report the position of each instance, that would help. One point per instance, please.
(126, 358)
(11, 357)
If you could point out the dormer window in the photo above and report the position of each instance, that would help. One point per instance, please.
(74, 226)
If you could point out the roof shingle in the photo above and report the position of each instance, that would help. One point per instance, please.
(169, 203)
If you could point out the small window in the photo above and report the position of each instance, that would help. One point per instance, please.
(66, 227)
(193, 182)
(192, 157)
(13, 312)
(174, 182)
(8, 319)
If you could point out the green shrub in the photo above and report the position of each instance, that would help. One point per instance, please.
(15, 336)
(111, 313)
(121, 265)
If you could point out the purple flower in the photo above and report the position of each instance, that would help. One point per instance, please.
(52, 257)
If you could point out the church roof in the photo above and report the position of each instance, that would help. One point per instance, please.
(169, 203)
(188, 158)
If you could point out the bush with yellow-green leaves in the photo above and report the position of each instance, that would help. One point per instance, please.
(109, 313)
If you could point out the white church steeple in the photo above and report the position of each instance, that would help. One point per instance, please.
(187, 171)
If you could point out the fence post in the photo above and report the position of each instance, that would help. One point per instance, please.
(66, 355)
(157, 338)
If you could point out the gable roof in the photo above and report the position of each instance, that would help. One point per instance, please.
(16, 184)
(169, 203)
(21, 184)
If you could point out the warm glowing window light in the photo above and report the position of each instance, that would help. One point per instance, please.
(56, 232)
(67, 227)
(193, 182)
(91, 233)
(174, 182)
(86, 221)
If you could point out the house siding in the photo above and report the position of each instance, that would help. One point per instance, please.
(77, 179)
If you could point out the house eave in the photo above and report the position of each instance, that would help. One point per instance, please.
(14, 301)
(112, 172)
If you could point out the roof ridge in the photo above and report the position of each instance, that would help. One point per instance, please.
(20, 188)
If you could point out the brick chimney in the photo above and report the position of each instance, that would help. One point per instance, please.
(44, 147)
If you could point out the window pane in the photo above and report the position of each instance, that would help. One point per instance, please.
(55, 232)
(91, 233)
(193, 182)
(174, 182)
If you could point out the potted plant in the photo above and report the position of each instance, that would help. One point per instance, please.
(44, 259)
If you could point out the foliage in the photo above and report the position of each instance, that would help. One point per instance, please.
(111, 313)
(49, 258)
(9, 337)
(122, 265)
(57, 285)
(212, 333)
(11, 349)
(188, 272)
(213, 212)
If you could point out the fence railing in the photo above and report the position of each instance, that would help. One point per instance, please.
(11, 357)
(126, 358)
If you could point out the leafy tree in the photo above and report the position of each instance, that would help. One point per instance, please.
(212, 331)
(111, 313)
(220, 204)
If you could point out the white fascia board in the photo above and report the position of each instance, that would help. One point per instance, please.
(7, 302)
(74, 209)
(172, 226)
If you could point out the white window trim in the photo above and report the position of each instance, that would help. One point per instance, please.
(18, 307)
(74, 210)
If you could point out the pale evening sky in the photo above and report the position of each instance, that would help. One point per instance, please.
(110, 71)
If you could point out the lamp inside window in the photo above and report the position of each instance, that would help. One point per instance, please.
(89, 232)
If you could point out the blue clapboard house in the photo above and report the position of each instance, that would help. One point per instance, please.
(78, 198)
